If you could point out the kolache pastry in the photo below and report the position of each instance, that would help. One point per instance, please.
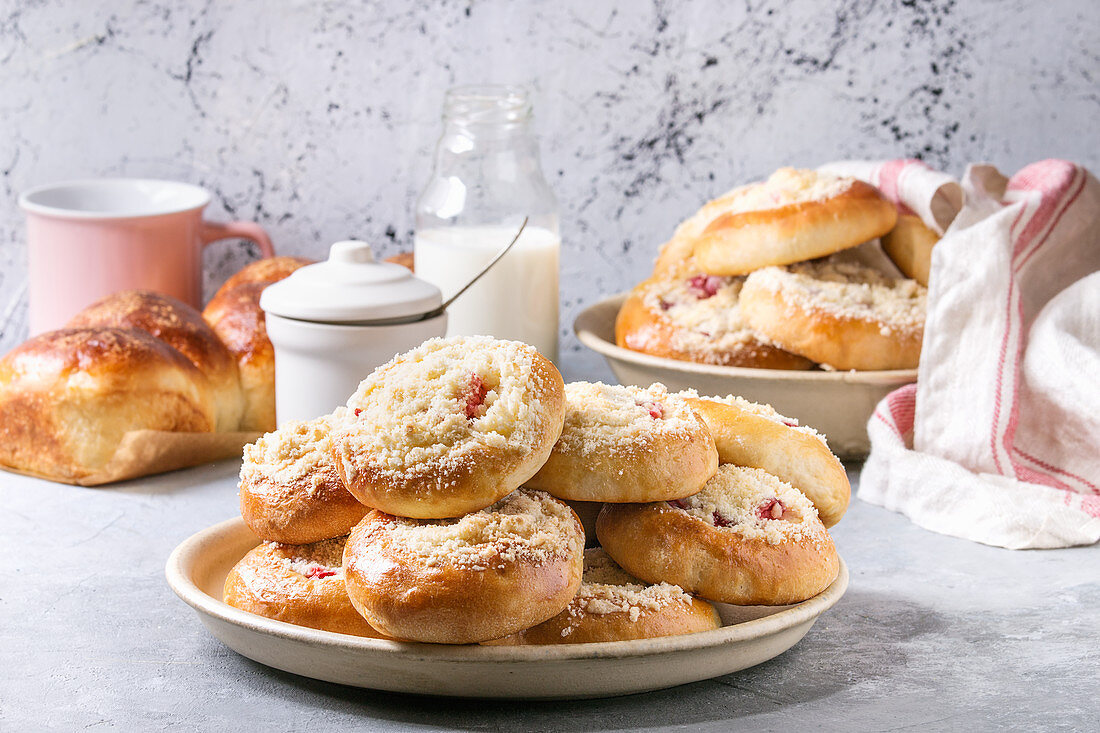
(182, 327)
(747, 538)
(450, 427)
(795, 215)
(297, 584)
(839, 313)
(236, 317)
(696, 318)
(67, 398)
(290, 491)
(611, 605)
(749, 434)
(909, 244)
(627, 444)
(483, 576)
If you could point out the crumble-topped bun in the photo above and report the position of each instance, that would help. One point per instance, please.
(181, 327)
(696, 318)
(290, 490)
(457, 581)
(909, 244)
(627, 443)
(68, 397)
(450, 427)
(795, 215)
(611, 605)
(747, 538)
(839, 313)
(754, 435)
(298, 584)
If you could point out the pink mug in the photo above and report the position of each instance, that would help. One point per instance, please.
(88, 239)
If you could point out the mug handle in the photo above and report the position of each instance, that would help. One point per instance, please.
(213, 231)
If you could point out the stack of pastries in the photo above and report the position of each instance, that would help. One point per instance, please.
(444, 504)
(139, 360)
(767, 276)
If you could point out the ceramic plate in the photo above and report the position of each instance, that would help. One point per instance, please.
(838, 404)
(197, 569)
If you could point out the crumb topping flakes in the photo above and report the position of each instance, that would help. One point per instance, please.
(704, 310)
(426, 409)
(296, 455)
(316, 561)
(526, 526)
(756, 408)
(602, 418)
(848, 289)
(606, 588)
(754, 504)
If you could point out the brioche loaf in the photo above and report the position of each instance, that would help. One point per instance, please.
(180, 326)
(67, 397)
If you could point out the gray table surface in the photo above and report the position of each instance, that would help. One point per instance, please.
(934, 633)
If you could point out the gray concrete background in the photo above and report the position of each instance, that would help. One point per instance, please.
(934, 633)
(317, 118)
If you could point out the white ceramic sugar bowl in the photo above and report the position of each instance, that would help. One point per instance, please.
(333, 322)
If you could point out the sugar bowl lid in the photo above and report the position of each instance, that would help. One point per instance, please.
(350, 287)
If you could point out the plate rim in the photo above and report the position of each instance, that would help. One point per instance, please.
(584, 326)
(187, 552)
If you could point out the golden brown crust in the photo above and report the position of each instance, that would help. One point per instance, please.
(299, 515)
(415, 598)
(659, 543)
(829, 337)
(632, 455)
(237, 319)
(67, 397)
(639, 328)
(265, 583)
(909, 244)
(458, 478)
(266, 271)
(181, 327)
(736, 243)
(796, 456)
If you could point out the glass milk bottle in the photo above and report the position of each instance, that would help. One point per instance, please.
(485, 179)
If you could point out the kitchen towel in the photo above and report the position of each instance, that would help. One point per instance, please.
(999, 440)
(911, 184)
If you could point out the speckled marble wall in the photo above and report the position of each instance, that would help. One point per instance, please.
(317, 119)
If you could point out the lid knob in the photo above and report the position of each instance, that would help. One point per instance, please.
(351, 251)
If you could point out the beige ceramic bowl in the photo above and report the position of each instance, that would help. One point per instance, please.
(838, 404)
(197, 568)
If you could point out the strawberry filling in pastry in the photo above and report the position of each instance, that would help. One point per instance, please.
(771, 509)
(319, 571)
(656, 409)
(474, 396)
(705, 286)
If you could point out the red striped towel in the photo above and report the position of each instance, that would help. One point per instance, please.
(999, 440)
